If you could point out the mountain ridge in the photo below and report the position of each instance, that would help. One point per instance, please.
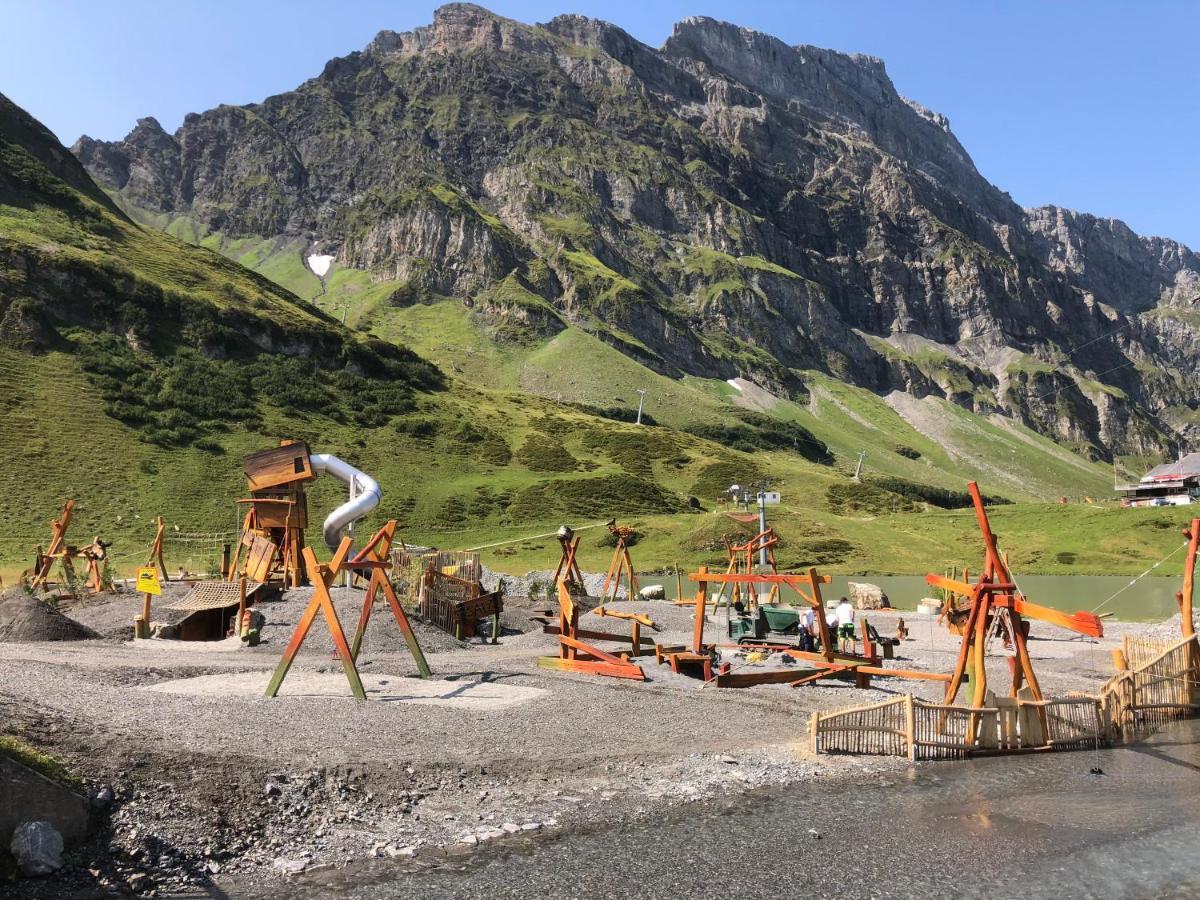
(726, 205)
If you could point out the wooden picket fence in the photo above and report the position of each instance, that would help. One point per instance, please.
(910, 727)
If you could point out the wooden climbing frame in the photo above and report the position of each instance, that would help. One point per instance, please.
(59, 551)
(995, 596)
(620, 565)
(372, 558)
(574, 653)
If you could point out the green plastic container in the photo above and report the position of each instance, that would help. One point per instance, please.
(782, 618)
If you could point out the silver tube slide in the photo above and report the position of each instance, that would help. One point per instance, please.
(365, 495)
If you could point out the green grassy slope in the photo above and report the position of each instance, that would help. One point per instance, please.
(455, 493)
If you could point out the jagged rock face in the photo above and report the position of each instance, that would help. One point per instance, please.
(738, 206)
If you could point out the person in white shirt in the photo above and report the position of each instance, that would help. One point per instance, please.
(845, 621)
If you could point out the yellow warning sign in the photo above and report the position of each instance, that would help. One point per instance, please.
(147, 580)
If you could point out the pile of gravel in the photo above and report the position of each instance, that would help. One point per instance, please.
(25, 619)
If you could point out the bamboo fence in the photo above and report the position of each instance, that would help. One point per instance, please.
(919, 730)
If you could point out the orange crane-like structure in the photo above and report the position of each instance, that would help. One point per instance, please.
(993, 596)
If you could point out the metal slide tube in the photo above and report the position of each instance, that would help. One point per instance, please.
(365, 495)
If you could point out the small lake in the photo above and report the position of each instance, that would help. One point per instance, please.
(1150, 600)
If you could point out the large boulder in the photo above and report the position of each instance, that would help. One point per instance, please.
(28, 796)
(868, 596)
(37, 847)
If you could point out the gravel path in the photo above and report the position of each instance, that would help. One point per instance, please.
(223, 783)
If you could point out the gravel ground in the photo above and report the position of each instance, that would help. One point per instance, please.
(221, 786)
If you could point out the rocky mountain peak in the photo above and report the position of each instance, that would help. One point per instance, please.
(458, 27)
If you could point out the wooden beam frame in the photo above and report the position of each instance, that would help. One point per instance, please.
(375, 558)
(322, 578)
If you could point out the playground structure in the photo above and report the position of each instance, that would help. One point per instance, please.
(575, 653)
(741, 562)
(998, 606)
(700, 658)
(621, 564)
(372, 562)
(1155, 682)
(60, 552)
(273, 528)
(451, 596)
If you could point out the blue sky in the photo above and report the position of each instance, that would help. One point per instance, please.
(1092, 105)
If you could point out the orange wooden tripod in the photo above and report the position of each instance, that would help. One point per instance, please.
(995, 595)
(568, 567)
(621, 564)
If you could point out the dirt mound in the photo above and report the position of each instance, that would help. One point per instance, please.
(24, 618)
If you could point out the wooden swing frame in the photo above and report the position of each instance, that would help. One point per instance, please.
(59, 551)
(372, 558)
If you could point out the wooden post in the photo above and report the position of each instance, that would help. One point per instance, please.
(155, 558)
(701, 603)
(910, 724)
(241, 613)
(1189, 580)
(678, 583)
(822, 625)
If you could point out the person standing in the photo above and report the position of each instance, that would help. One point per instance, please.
(845, 620)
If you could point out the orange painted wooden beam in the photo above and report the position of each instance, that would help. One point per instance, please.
(742, 578)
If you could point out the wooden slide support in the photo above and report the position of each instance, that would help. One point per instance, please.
(375, 558)
(322, 577)
(574, 653)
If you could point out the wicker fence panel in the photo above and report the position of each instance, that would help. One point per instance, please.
(882, 729)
